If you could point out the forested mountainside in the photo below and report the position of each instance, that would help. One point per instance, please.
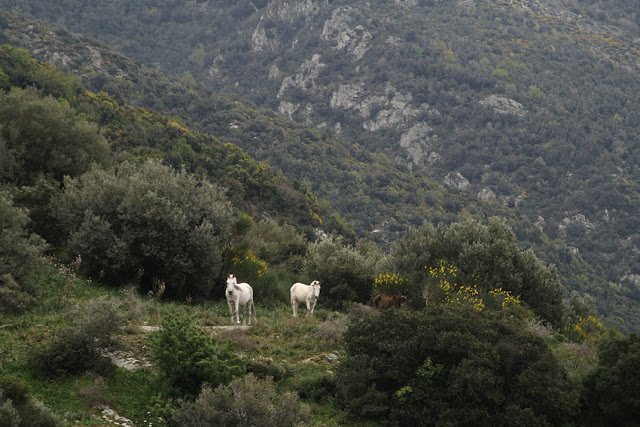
(135, 134)
(522, 108)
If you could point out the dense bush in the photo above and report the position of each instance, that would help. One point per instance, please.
(76, 347)
(19, 254)
(188, 358)
(450, 365)
(247, 402)
(19, 409)
(147, 223)
(612, 395)
(487, 256)
(277, 245)
(42, 136)
(346, 273)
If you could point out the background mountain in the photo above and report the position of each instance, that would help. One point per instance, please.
(413, 110)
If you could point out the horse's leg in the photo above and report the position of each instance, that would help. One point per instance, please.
(230, 310)
(294, 306)
(244, 314)
(237, 311)
(252, 308)
(255, 319)
(313, 306)
(308, 307)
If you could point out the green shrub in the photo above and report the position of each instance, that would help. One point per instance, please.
(450, 365)
(147, 223)
(345, 273)
(19, 409)
(247, 402)
(316, 387)
(75, 348)
(20, 254)
(265, 368)
(278, 245)
(188, 358)
(43, 136)
(612, 395)
(487, 256)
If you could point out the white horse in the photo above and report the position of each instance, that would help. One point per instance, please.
(240, 294)
(304, 293)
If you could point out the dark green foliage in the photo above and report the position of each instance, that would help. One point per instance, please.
(487, 256)
(277, 245)
(345, 272)
(75, 348)
(147, 223)
(246, 402)
(266, 368)
(188, 358)
(43, 136)
(611, 392)
(19, 409)
(316, 388)
(19, 254)
(21, 70)
(449, 365)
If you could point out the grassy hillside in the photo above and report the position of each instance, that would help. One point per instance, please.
(300, 354)
(297, 353)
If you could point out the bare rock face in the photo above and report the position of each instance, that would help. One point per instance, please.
(578, 219)
(305, 78)
(416, 141)
(274, 71)
(288, 109)
(399, 111)
(504, 105)
(347, 96)
(337, 29)
(487, 195)
(260, 42)
(292, 11)
(456, 180)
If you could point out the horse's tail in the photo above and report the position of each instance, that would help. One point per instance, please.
(253, 308)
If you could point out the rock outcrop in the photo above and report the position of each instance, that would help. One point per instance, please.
(306, 77)
(456, 180)
(416, 141)
(504, 105)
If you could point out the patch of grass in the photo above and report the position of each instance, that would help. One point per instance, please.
(131, 393)
(277, 346)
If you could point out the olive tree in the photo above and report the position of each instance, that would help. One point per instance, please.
(147, 223)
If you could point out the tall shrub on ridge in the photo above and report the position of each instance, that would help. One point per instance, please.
(147, 223)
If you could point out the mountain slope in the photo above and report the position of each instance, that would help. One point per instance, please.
(526, 106)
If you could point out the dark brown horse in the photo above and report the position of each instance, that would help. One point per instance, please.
(384, 302)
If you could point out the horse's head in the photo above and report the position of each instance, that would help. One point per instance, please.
(402, 300)
(316, 288)
(231, 283)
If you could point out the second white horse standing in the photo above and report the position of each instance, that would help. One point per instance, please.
(240, 294)
(306, 294)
